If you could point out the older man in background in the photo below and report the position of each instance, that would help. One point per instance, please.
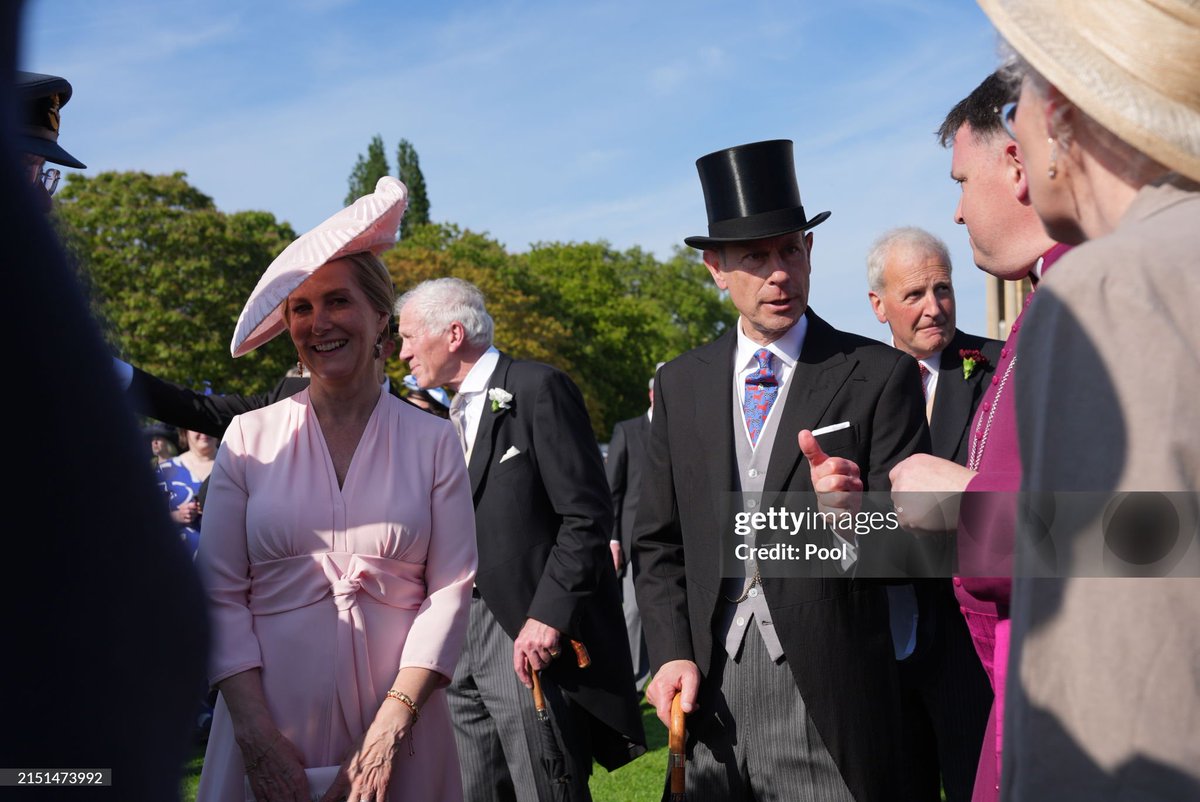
(946, 692)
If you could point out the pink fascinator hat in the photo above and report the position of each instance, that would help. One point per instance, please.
(368, 224)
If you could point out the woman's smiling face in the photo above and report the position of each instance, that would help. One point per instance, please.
(333, 325)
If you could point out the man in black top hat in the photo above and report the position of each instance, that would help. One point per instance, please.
(790, 683)
(42, 98)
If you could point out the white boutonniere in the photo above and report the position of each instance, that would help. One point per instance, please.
(500, 398)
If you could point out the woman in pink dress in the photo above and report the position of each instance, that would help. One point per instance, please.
(339, 548)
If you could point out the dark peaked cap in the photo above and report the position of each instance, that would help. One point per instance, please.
(750, 193)
(42, 96)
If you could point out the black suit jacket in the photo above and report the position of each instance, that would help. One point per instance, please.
(626, 457)
(956, 398)
(543, 519)
(834, 631)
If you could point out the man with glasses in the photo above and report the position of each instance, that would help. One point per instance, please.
(1007, 240)
(42, 98)
(104, 590)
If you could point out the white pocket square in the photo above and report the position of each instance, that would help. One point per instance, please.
(836, 427)
(512, 452)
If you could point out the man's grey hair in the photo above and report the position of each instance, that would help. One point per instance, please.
(908, 237)
(441, 302)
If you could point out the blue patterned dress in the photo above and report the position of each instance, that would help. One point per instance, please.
(180, 487)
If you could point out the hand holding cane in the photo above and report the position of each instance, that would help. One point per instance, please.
(677, 760)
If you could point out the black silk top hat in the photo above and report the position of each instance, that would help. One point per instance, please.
(41, 98)
(750, 192)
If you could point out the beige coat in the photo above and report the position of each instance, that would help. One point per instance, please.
(1104, 677)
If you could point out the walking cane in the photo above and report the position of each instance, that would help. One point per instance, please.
(677, 760)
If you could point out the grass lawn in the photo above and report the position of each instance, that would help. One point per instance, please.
(639, 781)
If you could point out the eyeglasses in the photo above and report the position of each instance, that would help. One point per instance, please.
(48, 178)
(1008, 113)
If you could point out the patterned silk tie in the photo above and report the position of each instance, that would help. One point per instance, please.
(761, 389)
(457, 417)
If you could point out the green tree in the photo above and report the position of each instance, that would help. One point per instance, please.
(691, 310)
(368, 170)
(408, 168)
(167, 275)
(624, 311)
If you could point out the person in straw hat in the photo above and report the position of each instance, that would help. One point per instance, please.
(339, 547)
(1104, 689)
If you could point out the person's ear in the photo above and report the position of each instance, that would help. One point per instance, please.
(1014, 171)
(877, 306)
(712, 260)
(456, 336)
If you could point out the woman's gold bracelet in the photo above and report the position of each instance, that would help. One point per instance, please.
(405, 699)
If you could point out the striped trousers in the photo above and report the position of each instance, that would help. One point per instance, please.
(761, 746)
(495, 725)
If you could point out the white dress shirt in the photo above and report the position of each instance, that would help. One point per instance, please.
(932, 363)
(786, 351)
(473, 391)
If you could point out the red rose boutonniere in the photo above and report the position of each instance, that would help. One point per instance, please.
(971, 358)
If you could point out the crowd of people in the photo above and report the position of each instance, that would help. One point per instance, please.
(441, 589)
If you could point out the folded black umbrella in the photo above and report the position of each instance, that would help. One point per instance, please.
(554, 761)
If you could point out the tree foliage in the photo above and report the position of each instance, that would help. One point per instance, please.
(167, 274)
(367, 171)
(408, 168)
(624, 311)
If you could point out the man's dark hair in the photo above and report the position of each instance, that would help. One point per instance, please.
(980, 109)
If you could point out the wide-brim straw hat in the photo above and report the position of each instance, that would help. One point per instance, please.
(368, 224)
(1131, 65)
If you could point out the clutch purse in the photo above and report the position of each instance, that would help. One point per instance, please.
(319, 780)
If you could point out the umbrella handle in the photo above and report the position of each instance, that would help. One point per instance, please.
(539, 699)
(676, 738)
(582, 658)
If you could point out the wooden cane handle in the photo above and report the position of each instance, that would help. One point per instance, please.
(582, 658)
(539, 699)
(677, 732)
(677, 756)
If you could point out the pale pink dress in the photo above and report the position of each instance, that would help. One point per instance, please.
(331, 590)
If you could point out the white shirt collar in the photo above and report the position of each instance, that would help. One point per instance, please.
(477, 377)
(787, 348)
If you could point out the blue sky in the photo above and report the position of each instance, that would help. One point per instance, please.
(536, 121)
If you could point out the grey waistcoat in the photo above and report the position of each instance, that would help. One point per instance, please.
(752, 463)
